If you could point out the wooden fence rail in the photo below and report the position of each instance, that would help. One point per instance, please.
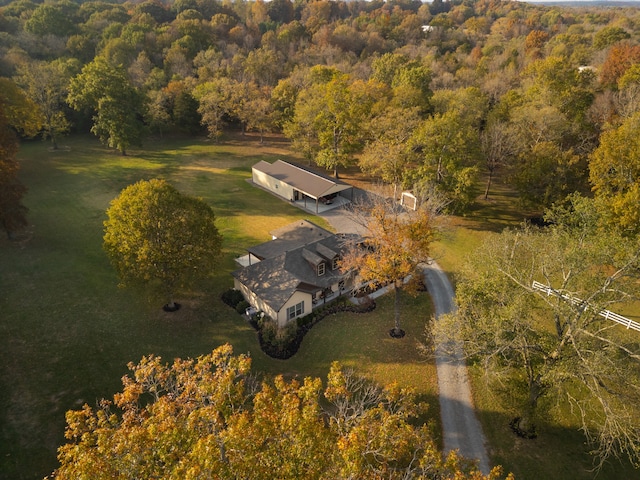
(628, 323)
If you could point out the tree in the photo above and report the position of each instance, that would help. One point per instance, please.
(497, 146)
(546, 174)
(448, 147)
(554, 345)
(53, 19)
(47, 85)
(387, 156)
(210, 418)
(256, 110)
(608, 36)
(216, 101)
(17, 112)
(409, 80)
(157, 237)
(395, 244)
(614, 171)
(330, 117)
(618, 61)
(119, 108)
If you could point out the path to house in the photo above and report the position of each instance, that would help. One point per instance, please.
(461, 429)
(460, 426)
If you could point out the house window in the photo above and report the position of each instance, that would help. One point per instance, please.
(334, 263)
(321, 269)
(295, 311)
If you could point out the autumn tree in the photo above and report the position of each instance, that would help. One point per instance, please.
(550, 344)
(396, 242)
(161, 239)
(210, 418)
(118, 107)
(17, 113)
(614, 171)
(619, 59)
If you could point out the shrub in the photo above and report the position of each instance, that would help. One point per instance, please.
(277, 342)
(232, 297)
(242, 306)
(283, 343)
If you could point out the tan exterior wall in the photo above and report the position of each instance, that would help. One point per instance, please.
(281, 316)
(296, 298)
(254, 300)
(273, 184)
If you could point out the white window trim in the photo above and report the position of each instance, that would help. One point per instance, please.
(321, 269)
(295, 310)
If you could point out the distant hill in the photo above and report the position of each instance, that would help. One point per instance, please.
(588, 3)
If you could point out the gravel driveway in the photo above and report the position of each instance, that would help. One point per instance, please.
(460, 426)
(461, 429)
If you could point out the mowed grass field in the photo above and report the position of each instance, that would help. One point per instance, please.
(67, 331)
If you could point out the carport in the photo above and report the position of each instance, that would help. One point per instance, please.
(297, 184)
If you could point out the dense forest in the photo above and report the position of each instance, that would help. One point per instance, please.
(435, 97)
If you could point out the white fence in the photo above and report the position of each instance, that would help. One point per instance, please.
(576, 301)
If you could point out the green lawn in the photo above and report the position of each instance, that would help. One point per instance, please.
(67, 331)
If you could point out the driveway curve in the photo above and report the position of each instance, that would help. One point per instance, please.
(461, 429)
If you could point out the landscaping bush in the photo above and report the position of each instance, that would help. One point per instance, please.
(232, 297)
(242, 306)
(277, 342)
(284, 343)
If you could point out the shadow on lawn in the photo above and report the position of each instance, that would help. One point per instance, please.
(557, 452)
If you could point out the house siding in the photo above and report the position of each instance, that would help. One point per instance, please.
(254, 300)
(297, 297)
(279, 316)
(274, 185)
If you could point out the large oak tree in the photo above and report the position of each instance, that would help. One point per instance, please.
(551, 346)
(160, 238)
(118, 106)
(210, 418)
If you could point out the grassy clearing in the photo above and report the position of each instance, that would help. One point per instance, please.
(67, 331)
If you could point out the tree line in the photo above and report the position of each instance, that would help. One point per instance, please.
(431, 97)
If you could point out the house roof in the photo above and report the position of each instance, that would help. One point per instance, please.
(312, 184)
(288, 238)
(275, 279)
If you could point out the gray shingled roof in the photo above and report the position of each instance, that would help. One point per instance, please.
(310, 183)
(288, 238)
(275, 279)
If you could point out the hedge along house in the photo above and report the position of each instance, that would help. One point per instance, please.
(295, 184)
(295, 272)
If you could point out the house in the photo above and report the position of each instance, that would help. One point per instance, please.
(296, 184)
(295, 272)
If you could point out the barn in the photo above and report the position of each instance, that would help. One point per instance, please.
(296, 184)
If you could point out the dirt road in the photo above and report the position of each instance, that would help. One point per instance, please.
(461, 429)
